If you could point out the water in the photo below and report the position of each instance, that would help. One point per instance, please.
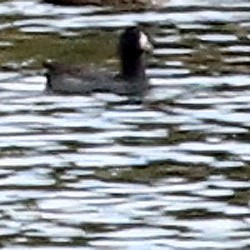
(97, 172)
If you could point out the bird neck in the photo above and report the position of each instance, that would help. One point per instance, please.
(133, 67)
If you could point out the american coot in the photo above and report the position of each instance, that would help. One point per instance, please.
(131, 80)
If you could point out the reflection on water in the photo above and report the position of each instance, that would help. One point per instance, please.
(97, 172)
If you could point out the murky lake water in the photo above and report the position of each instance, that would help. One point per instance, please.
(97, 172)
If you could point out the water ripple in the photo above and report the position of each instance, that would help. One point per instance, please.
(91, 172)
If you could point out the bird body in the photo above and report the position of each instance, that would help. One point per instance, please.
(131, 80)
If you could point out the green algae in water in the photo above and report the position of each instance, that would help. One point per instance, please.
(31, 50)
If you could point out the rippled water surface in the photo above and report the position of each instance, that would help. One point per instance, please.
(100, 172)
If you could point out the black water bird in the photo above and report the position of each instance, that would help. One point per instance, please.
(131, 80)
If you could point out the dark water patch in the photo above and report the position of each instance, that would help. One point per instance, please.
(157, 171)
(71, 50)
